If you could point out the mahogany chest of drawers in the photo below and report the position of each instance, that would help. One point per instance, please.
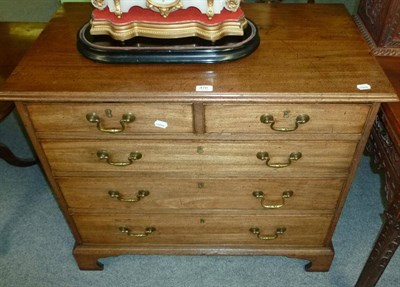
(142, 163)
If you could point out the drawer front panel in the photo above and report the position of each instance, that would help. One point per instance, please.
(201, 229)
(211, 159)
(72, 118)
(323, 118)
(230, 194)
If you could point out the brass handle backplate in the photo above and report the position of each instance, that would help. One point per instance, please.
(126, 119)
(269, 120)
(294, 156)
(256, 231)
(128, 232)
(140, 194)
(260, 194)
(103, 155)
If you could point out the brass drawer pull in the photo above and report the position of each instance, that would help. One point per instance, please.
(126, 119)
(269, 119)
(103, 155)
(140, 194)
(294, 156)
(256, 231)
(285, 195)
(128, 232)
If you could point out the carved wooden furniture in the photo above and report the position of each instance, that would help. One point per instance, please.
(251, 157)
(384, 146)
(379, 21)
(15, 39)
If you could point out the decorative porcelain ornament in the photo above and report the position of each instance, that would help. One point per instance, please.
(164, 7)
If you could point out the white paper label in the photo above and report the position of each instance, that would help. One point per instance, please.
(204, 88)
(362, 87)
(160, 124)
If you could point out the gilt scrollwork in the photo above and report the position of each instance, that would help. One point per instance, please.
(118, 11)
(210, 9)
(232, 5)
(164, 10)
(99, 4)
(166, 7)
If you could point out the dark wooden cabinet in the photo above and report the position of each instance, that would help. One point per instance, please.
(384, 146)
(379, 20)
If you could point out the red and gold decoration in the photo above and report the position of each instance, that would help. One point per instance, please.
(190, 31)
(168, 19)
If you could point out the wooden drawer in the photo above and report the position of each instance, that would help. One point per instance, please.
(72, 117)
(323, 118)
(197, 159)
(201, 229)
(178, 194)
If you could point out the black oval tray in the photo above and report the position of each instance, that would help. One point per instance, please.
(105, 49)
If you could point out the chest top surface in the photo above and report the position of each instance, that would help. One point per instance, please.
(308, 53)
